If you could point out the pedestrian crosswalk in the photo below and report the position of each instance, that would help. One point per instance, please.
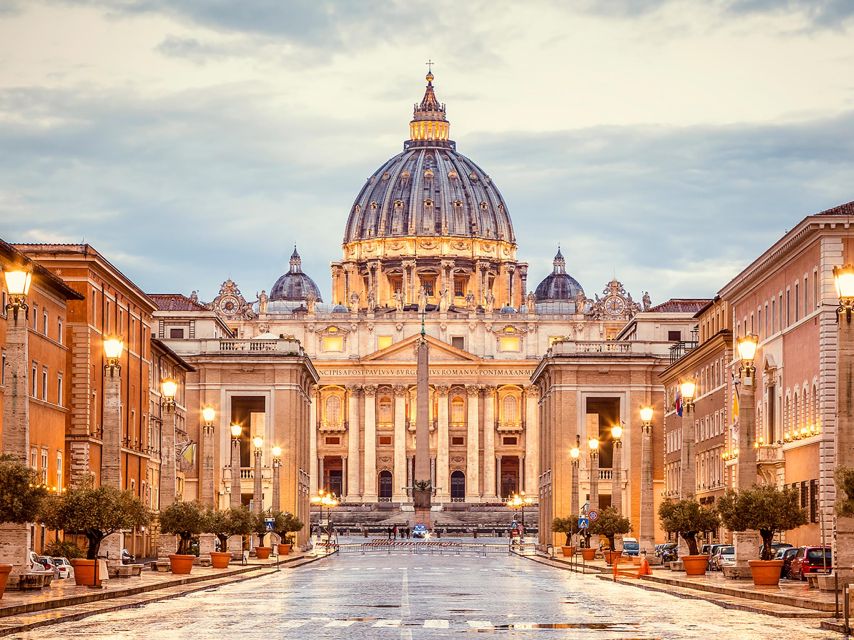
(394, 623)
(427, 570)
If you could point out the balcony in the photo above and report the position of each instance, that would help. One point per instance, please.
(606, 474)
(332, 427)
(280, 346)
(510, 427)
(681, 349)
(590, 348)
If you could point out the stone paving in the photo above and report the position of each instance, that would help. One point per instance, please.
(410, 596)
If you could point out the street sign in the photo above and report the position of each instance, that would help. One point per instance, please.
(583, 523)
(269, 522)
(593, 515)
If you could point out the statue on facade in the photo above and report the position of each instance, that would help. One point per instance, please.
(262, 302)
(422, 300)
(372, 300)
(194, 297)
(647, 302)
(580, 301)
(398, 300)
(531, 302)
(489, 298)
(310, 302)
(444, 300)
(354, 302)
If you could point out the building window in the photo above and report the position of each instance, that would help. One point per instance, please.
(176, 333)
(509, 440)
(458, 441)
(813, 500)
(674, 336)
(59, 389)
(34, 458)
(44, 322)
(385, 440)
(44, 466)
(458, 408)
(816, 299)
(458, 342)
(788, 307)
(35, 381)
(59, 470)
(332, 343)
(44, 385)
(384, 342)
(3, 369)
(333, 440)
(509, 343)
(797, 302)
(59, 337)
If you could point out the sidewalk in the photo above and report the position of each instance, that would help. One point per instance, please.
(64, 601)
(788, 599)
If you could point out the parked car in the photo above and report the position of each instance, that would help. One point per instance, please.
(786, 554)
(63, 568)
(668, 552)
(712, 551)
(420, 531)
(809, 560)
(724, 554)
(775, 547)
(631, 547)
(44, 563)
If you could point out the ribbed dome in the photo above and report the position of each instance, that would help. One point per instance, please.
(294, 285)
(558, 285)
(429, 189)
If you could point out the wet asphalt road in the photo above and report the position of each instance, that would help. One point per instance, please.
(419, 596)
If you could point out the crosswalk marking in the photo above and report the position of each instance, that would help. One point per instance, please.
(340, 623)
(387, 623)
(435, 624)
(480, 624)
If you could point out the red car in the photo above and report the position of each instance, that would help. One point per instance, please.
(810, 560)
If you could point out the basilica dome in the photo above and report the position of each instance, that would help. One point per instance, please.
(294, 285)
(558, 285)
(429, 189)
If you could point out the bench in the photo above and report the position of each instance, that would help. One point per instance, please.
(161, 566)
(202, 561)
(812, 580)
(129, 570)
(32, 581)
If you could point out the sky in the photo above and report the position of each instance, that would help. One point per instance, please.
(665, 142)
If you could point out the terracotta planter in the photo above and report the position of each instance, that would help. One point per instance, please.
(284, 549)
(695, 565)
(610, 556)
(4, 576)
(262, 553)
(181, 564)
(568, 552)
(84, 572)
(588, 554)
(220, 559)
(766, 573)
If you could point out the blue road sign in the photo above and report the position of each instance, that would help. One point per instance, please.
(583, 523)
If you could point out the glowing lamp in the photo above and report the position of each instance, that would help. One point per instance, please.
(168, 388)
(18, 282)
(209, 415)
(593, 444)
(277, 451)
(616, 432)
(747, 348)
(646, 414)
(236, 430)
(113, 348)
(258, 442)
(688, 387)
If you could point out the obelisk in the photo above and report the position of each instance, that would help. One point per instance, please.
(422, 485)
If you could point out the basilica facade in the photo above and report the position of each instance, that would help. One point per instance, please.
(429, 242)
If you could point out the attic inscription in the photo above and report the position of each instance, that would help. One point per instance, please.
(434, 371)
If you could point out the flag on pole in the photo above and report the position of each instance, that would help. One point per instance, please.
(678, 402)
(189, 453)
(735, 406)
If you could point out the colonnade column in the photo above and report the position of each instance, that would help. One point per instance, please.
(532, 441)
(473, 446)
(353, 443)
(442, 462)
(312, 442)
(398, 492)
(370, 476)
(489, 494)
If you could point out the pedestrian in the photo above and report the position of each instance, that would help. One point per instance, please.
(388, 531)
(394, 532)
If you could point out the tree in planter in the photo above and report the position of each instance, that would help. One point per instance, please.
(185, 520)
(844, 477)
(63, 549)
(259, 526)
(567, 526)
(762, 508)
(610, 524)
(21, 492)
(687, 519)
(226, 523)
(95, 512)
(286, 524)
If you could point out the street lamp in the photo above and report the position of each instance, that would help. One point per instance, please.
(236, 431)
(687, 389)
(169, 389)
(647, 515)
(258, 443)
(574, 455)
(324, 499)
(113, 347)
(518, 501)
(844, 278)
(207, 443)
(746, 347)
(209, 415)
(593, 447)
(617, 469)
(277, 461)
(18, 283)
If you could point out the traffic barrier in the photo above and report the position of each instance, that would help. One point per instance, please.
(626, 573)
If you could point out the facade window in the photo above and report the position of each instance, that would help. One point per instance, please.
(34, 458)
(43, 469)
(44, 385)
(813, 500)
(788, 307)
(458, 342)
(332, 343)
(458, 407)
(816, 299)
(333, 440)
(3, 370)
(385, 440)
(35, 381)
(59, 469)
(780, 322)
(384, 342)
(44, 322)
(674, 336)
(797, 302)
(35, 317)
(59, 389)
(176, 333)
(510, 440)
(59, 337)
(458, 441)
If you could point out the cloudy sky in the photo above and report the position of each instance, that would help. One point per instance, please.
(665, 142)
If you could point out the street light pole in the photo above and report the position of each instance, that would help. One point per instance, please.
(277, 461)
(617, 469)
(843, 541)
(647, 515)
(574, 454)
(688, 471)
(236, 432)
(593, 446)
(746, 542)
(257, 499)
(208, 484)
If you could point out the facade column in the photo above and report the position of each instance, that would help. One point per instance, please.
(687, 464)
(257, 490)
(473, 446)
(646, 536)
(532, 440)
(321, 480)
(370, 480)
(489, 493)
(398, 491)
(207, 490)
(353, 436)
(16, 540)
(313, 477)
(498, 477)
(443, 473)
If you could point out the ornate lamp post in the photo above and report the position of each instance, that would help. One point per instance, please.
(843, 542)
(277, 462)
(593, 446)
(687, 486)
(206, 490)
(236, 432)
(326, 499)
(257, 499)
(112, 413)
(617, 469)
(518, 501)
(574, 454)
(647, 515)
(18, 283)
(168, 391)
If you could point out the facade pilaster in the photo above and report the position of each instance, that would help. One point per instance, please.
(489, 492)
(532, 440)
(473, 446)
(398, 492)
(353, 437)
(370, 479)
(312, 441)
(443, 472)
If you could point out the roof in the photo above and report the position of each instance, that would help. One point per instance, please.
(175, 357)
(175, 302)
(45, 276)
(846, 209)
(681, 305)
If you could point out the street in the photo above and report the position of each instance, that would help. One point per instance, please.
(421, 596)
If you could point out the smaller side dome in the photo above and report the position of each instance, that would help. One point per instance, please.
(558, 285)
(295, 285)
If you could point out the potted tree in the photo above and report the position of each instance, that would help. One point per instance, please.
(286, 525)
(185, 520)
(224, 524)
(20, 498)
(768, 510)
(259, 526)
(686, 518)
(569, 527)
(610, 524)
(95, 512)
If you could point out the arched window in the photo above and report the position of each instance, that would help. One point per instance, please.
(333, 410)
(511, 409)
(815, 413)
(458, 410)
(796, 419)
(458, 486)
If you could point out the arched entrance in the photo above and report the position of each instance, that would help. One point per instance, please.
(385, 486)
(509, 475)
(458, 486)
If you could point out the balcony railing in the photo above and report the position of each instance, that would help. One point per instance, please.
(680, 349)
(280, 346)
(606, 474)
(569, 347)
